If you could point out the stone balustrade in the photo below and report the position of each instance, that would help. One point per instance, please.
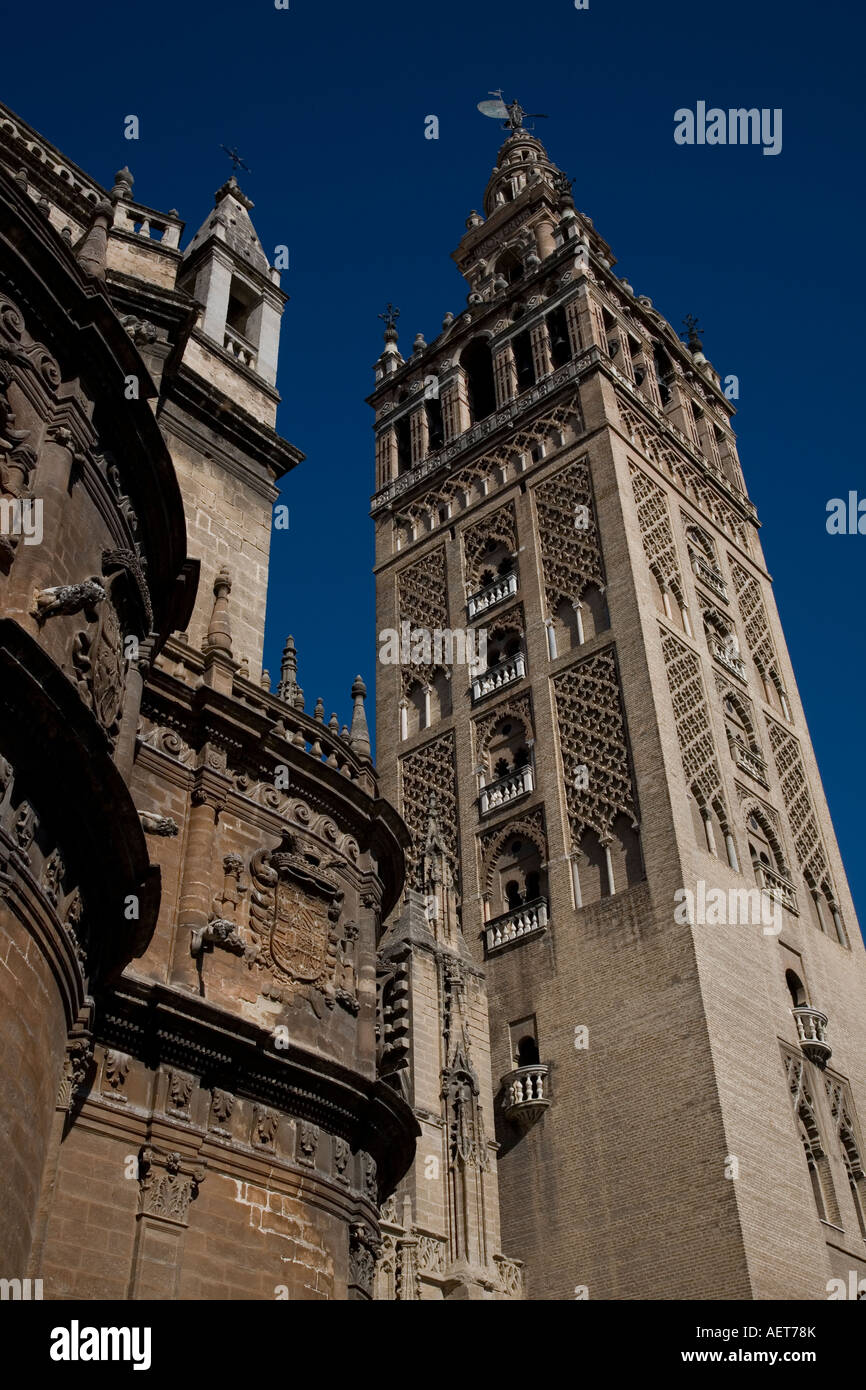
(526, 1093)
(506, 789)
(504, 673)
(812, 1031)
(492, 594)
(522, 921)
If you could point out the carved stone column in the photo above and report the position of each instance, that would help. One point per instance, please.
(504, 375)
(207, 800)
(419, 434)
(168, 1183)
(541, 359)
(386, 456)
(455, 405)
(572, 319)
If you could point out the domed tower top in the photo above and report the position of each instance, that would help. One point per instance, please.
(521, 160)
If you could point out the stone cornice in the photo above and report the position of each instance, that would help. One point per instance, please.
(158, 1024)
(189, 408)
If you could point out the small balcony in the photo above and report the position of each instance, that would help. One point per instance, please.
(506, 789)
(812, 1030)
(750, 761)
(779, 887)
(237, 346)
(492, 594)
(497, 677)
(528, 920)
(709, 575)
(526, 1094)
(729, 659)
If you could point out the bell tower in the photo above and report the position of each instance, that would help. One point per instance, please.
(649, 891)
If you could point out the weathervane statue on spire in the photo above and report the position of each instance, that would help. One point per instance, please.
(510, 113)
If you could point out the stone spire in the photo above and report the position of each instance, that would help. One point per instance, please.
(359, 734)
(288, 689)
(123, 182)
(91, 252)
(219, 632)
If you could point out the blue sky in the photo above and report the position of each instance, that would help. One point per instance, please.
(327, 105)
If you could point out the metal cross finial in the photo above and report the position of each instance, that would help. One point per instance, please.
(690, 324)
(390, 317)
(237, 162)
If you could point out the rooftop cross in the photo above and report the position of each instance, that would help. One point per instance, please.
(390, 317)
(237, 162)
(690, 324)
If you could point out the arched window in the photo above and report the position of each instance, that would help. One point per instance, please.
(560, 343)
(440, 696)
(521, 346)
(664, 372)
(403, 435)
(416, 709)
(510, 267)
(527, 1052)
(765, 852)
(817, 1162)
(435, 427)
(796, 989)
(854, 1173)
(502, 644)
(495, 562)
(519, 880)
(477, 363)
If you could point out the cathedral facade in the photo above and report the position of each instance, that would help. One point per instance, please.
(193, 868)
(562, 998)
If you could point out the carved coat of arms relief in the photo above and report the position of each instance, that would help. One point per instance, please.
(295, 908)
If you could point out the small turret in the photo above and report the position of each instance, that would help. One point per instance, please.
(359, 734)
(227, 271)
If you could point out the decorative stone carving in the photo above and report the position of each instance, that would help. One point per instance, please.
(167, 1185)
(695, 481)
(294, 911)
(656, 533)
(568, 534)
(101, 666)
(808, 844)
(429, 768)
(129, 562)
(364, 1249)
(500, 527)
(76, 1065)
(368, 1175)
(52, 877)
(342, 1154)
(692, 720)
(154, 824)
(431, 1255)
(264, 1126)
(467, 1144)
(422, 592)
(757, 628)
(180, 1088)
(308, 1141)
(592, 735)
(114, 1073)
(26, 826)
(66, 599)
(221, 1107)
